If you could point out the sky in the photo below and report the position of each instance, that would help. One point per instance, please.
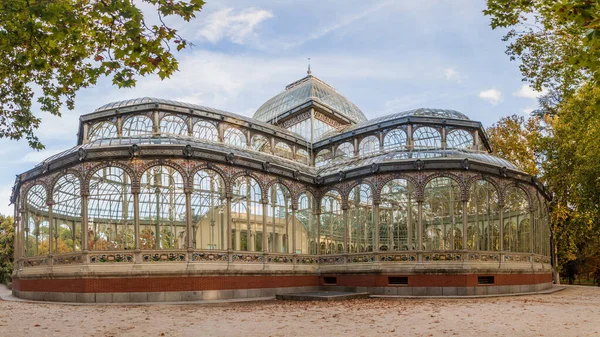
(385, 56)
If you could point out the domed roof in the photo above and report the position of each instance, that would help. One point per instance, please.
(304, 90)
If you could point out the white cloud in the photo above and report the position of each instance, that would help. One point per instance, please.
(238, 27)
(5, 192)
(527, 92)
(453, 75)
(493, 96)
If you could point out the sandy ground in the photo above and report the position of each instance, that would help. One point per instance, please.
(571, 312)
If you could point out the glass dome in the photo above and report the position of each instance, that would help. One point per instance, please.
(302, 91)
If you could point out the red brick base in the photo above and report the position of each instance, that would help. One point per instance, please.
(466, 280)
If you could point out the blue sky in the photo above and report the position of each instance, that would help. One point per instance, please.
(385, 56)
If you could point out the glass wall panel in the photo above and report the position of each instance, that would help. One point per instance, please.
(209, 217)
(344, 151)
(368, 145)
(459, 139)
(110, 210)
(66, 214)
(537, 225)
(442, 215)
(395, 139)
(284, 150)
(483, 216)
(303, 128)
(320, 128)
(302, 156)
(162, 209)
(332, 224)
(323, 158)
(246, 215)
(398, 215)
(206, 130)
(427, 137)
(260, 143)
(361, 236)
(306, 225)
(138, 125)
(279, 224)
(516, 221)
(102, 130)
(37, 230)
(173, 125)
(235, 137)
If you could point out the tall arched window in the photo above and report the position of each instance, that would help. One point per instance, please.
(302, 156)
(101, 131)
(66, 213)
(517, 226)
(246, 214)
(368, 146)
(162, 209)
(110, 210)
(323, 158)
(306, 225)
(206, 130)
(261, 143)
(361, 236)
(442, 215)
(209, 214)
(138, 125)
(537, 225)
(483, 217)
(399, 216)
(332, 224)
(395, 139)
(235, 137)
(344, 151)
(173, 125)
(427, 137)
(459, 139)
(284, 150)
(279, 226)
(37, 230)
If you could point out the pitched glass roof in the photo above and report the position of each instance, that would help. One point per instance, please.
(302, 91)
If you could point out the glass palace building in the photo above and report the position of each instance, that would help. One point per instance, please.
(163, 200)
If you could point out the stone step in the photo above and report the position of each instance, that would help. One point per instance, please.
(322, 296)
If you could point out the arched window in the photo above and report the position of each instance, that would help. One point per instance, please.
(66, 212)
(209, 214)
(344, 151)
(368, 146)
(306, 225)
(173, 125)
(261, 143)
(302, 156)
(101, 131)
(279, 226)
(206, 130)
(138, 125)
(37, 230)
(284, 150)
(483, 231)
(399, 216)
(427, 137)
(162, 209)
(332, 224)
(537, 225)
(395, 139)
(110, 210)
(459, 139)
(517, 226)
(235, 137)
(246, 215)
(323, 158)
(442, 215)
(361, 236)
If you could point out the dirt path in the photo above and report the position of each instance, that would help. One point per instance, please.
(572, 312)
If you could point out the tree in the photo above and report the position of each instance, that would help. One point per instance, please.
(56, 48)
(558, 42)
(7, 239)
(515, 139)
